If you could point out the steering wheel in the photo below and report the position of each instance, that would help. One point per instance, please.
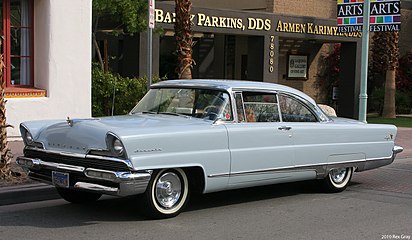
(210, 112)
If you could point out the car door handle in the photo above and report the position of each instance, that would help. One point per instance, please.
(284, 128)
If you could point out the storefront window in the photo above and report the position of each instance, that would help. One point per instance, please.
(17, 46)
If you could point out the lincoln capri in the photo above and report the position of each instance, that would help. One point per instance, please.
(186, 136)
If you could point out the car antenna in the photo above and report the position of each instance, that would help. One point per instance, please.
(114, 96)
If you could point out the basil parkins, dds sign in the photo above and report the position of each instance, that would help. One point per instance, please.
(385, 15)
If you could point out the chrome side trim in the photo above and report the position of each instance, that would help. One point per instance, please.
(318, 167)
(322, 169)
(218, 175)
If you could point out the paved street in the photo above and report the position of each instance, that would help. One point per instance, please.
(368, 209)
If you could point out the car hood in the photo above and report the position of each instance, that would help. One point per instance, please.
(81, 135)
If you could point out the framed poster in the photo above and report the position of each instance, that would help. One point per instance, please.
(297, 67)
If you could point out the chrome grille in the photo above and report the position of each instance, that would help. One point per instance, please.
(117, 166)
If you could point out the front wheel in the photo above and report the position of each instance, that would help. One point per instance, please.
(167, 193)
(78, 197)
(337, 179)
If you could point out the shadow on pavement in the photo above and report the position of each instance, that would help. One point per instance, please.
(60, 214)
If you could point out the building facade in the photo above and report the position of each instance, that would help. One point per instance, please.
(47, 55)
(278, 41)
(262, 46)
(258, 40)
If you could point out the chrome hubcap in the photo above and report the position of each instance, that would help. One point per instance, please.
(338, 175)
(168, 190)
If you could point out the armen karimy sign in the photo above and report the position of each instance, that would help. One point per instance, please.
(385, 15)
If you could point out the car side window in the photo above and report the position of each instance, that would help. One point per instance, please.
(260, 107)
(294, 110)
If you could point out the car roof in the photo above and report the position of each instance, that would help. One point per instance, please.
(230, 85)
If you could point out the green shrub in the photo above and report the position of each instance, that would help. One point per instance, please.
(375, 100)
(128, 92)
(403, 101)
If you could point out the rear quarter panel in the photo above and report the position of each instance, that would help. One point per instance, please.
(340, 142)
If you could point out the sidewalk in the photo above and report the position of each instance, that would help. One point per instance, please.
(33, 191)
(27, 190)
(404, 139)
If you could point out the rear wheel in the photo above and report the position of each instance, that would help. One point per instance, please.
(338, 179)
(78, 197)
(167, 193)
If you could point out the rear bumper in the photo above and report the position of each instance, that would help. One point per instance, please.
(397, 149)
(118, 183)
(376, 163)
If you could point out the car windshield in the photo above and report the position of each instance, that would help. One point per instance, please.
(199, 103)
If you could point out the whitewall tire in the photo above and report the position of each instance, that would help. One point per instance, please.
(167, 193)
(338, 179)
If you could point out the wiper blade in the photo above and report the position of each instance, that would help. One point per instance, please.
(174, 114)
(144, 112)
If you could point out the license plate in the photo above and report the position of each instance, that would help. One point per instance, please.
(60, 179)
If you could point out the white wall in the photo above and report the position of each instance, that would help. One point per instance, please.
(62, 64)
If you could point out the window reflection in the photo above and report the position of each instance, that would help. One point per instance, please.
(198, 103)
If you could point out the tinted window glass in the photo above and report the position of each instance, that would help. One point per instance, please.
(294, 111)
(260, 107)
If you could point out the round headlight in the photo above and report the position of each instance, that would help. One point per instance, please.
(118, 147)
(28, 138)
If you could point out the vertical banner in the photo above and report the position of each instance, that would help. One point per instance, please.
(151, 25)
(151, 14)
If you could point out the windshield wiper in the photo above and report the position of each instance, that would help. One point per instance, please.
(174, 114)
(144, 112)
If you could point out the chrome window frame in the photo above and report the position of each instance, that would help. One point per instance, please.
(319, 115)
(224, 90)
(315, 110)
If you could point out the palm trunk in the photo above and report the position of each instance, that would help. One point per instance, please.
(183, 35)
(5, 171)
(392, 54)
(389, 108)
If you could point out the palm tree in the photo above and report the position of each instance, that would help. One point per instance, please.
(385, 60)
(5, 171)
(183, 36)
(391, 55)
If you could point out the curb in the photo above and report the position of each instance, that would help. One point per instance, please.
(27, 193)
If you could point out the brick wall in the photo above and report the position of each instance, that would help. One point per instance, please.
(311, 8)
(270, 6)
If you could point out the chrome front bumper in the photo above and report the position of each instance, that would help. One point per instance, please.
(121, 183)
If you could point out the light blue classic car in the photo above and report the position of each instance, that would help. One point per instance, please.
(202, 135)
